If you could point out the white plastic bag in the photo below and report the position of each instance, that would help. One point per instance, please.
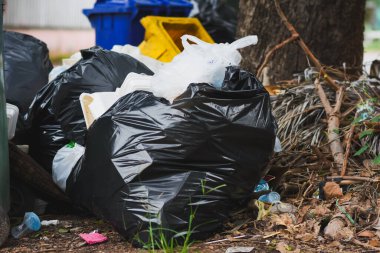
(200, 62)
(66, 64)
(12, 116)
(64, 162)
(277, 145)
(133, 51)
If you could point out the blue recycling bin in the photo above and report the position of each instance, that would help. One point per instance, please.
(176, 8)
(117, 22)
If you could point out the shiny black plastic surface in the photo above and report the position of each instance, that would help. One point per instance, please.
(55, 116)
(149, 163)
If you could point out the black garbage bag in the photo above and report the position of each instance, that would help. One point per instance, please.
(151, 164)
(219, 17)
(26, 70)
(55, 116)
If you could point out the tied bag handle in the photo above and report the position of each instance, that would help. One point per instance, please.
(187, 46)
(244, 42)
(240, 43)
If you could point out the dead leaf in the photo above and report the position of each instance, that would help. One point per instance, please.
(345, 234)
(321, 210)
(284, 219)
(370, 165)
(332, 190)
(302, 212)
(374, 243)
(314, 227)
(335, 244)
(346, 198)
(366, 233)
(285, 248)
(306, 237)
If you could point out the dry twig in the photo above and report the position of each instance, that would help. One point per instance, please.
(272, 51)
(354, 178)
(348, 148)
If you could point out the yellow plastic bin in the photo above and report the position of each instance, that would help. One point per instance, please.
(163, 36)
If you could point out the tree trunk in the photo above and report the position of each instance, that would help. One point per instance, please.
(24, 168)
(333, 30)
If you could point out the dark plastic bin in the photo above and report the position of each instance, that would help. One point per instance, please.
(117, 22)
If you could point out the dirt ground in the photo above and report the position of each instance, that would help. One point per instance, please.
(267, 235)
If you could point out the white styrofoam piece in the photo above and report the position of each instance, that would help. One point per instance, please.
(96, 104)
(134, 82)
(101, 102)
(12, 115)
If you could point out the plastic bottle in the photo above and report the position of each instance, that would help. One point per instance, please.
(30, 224)
(272, 197)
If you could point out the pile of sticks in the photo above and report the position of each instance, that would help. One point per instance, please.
(322, 127)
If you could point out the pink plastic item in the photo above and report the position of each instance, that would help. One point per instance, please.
(93, 238)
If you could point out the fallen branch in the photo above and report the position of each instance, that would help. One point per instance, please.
(348, 148)
(354, 178)
(332, 113)
(365, 245)
(304, 47)
(234, 238)
(272, 51)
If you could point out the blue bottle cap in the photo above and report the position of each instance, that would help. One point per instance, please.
(32, 221)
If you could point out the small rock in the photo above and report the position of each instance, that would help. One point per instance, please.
(283, 208)
(334, 227)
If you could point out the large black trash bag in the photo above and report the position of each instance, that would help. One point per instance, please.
(149, 163)
(55, 115)
(26, 71)
(219, 17)
(26, 68)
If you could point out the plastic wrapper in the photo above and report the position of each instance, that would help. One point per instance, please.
(149, 163)
(55, 115)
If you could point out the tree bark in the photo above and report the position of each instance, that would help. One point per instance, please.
(332, 29)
